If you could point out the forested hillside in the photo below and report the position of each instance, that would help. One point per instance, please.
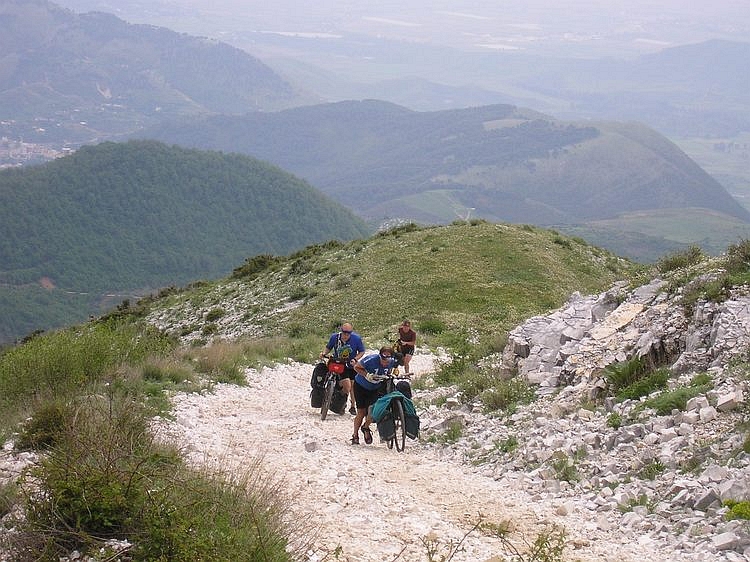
(136, 215)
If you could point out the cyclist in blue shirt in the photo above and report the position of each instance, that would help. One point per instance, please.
(367, 388)
(346, 345)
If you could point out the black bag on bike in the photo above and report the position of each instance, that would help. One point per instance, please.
(318, 376)
(386, 427)
(411, 426)
(338, 402)
(316, 396)
(404, 388)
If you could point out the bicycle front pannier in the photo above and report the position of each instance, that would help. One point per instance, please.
(316, 396)
(411, 426)
(319, 376)
(386, 427)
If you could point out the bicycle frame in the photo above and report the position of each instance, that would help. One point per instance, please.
(336, 368)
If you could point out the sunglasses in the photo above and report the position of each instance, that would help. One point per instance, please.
(346, 331)
(385, 356)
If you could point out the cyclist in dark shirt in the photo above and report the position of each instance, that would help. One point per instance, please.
(408, 341)
(346, 345)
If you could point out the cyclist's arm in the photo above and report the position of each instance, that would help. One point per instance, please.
(360, 369)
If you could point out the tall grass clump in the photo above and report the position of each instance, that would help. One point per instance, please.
(107, 477)
(60, 363)
(622, 374)
(680, 259)
(507, 395)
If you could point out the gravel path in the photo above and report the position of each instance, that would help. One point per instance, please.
(372, 504)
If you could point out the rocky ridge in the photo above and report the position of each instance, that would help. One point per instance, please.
(653, 477)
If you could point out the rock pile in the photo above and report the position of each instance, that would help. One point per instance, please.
(662, 478)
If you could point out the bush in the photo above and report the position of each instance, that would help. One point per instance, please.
(43, 429)
(431, 326)
(255, 265)
(624, 373)
(506, 395)
(737, 510)
(645, 386)
(108, 478)
(215, 313)
(614, 420)
(674, 400)
(680, 259)
(738, 257)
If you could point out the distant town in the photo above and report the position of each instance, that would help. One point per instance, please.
(15, 153)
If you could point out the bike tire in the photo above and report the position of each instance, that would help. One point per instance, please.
(327, 398)
(399, 420)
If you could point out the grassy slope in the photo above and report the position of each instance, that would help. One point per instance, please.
(481, 278)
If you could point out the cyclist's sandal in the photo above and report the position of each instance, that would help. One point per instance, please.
(355, 439)
(368, 435)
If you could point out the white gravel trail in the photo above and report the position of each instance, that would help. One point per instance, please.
(368, 502)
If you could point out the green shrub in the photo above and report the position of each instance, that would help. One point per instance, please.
(675, 399)
(701, 379)
(680, 259)
(255, 265)
(108, 478)
(506, 395)
(614, 420)
(651, 470)
(738, 257)
(737, 510)
(644, 386)
(43, 429)
(508, 445)
(59, 364)
(453, 433)
(624, 373)
(564, 467)
(431, 326)
(215, 313)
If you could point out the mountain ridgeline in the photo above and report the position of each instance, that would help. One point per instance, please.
(141, 214)
(500, 162)
(67, 77)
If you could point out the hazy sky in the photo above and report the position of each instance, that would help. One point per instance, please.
(629, 25)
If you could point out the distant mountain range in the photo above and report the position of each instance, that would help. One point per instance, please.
(125, 218)
(499, 162)
(67, 77)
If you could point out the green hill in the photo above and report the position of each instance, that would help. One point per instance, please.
(487, 277)
(121, 217)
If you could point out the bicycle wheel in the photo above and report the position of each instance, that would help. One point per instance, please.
(399, 421)
(327, 397)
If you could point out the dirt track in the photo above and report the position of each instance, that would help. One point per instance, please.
(372, 503)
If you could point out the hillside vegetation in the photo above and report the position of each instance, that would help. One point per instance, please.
(131, 216)
(467, 280)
